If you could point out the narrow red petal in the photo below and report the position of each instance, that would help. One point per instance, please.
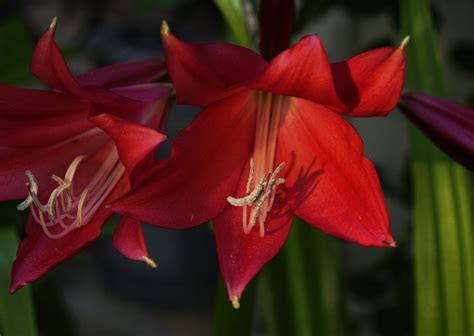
(49, 66)
(205, 166)
(330, 184)
(276, 23)
(242, 255)
(128, 239)
(370, 84)
(124, 74)
(39, 254)
(302, 71)
(203, 72)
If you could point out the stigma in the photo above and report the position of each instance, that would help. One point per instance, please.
(67, 208)
(263, 178)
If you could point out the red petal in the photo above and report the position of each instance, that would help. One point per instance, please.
(276, 21)
(370, 84)
(39, 254)
(128, 239)
(205, 165)
(134, 142)
(124, 74)
(48, 64)
(203, 72)
(331, 185)
(242, 255)
(301, 71)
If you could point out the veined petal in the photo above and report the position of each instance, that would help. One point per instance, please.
(38, 254)
(206, 162)
(370, 83)
(124, 74)
(301, 71)
(204, 72)
(330, 184)
(276, 21)
(242, 255)
(49, 66)
(449, 125)
(128, 239)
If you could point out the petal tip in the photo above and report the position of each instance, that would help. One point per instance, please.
(150, 262)
(53, 25)
(405, 42)
(165, 29)
(389, 243)
(235, 302)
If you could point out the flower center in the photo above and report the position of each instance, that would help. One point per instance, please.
(65, 210)
(263, 178)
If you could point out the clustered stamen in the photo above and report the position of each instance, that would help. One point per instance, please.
(65, 211)
(261, 195)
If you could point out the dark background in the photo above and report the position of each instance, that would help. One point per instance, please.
(101, 293)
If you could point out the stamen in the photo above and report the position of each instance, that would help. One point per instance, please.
(263, 179)
(150, 262)
(65, 211)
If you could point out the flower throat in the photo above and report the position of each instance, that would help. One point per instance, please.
(66, 211)
(263, 177)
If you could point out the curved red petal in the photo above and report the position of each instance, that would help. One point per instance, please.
(124, 74)
(39, 254)
(242, 255)
(206, 162)
(330, 184)
(49, 66)
(301, 71)
(204, 72)
(370, 83)
(128, 239)
(134, 141)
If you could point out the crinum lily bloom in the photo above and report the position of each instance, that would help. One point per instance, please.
(269, 144)
(81, 146)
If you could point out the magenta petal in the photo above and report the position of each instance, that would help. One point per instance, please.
(143, 92)
(124, 74)
(449, 125)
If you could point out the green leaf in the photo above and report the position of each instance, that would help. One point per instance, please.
(442, 217)
(234, 322)
(16, 311)
(233, 12)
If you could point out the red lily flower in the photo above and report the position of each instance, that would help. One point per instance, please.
(270, 144)
(94, 133)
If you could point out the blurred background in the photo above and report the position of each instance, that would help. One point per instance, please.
(101, 293)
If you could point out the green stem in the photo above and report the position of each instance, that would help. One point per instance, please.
(444, 270)
(17, 316)
(301, 288)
